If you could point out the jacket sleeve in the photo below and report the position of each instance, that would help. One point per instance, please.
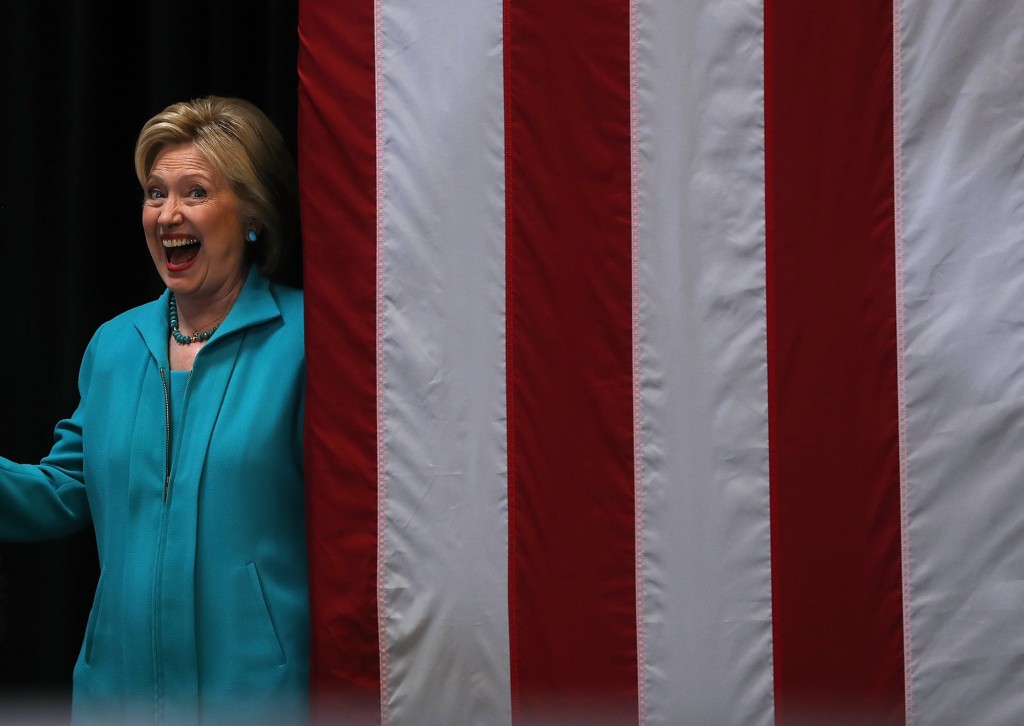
(48, 500)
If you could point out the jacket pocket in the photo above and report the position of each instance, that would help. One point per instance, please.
(264, 613)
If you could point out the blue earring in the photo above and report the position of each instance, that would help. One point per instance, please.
(251, 236)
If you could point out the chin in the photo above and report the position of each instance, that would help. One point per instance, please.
(178, 284)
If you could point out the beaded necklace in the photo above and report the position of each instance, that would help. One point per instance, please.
(179, 337)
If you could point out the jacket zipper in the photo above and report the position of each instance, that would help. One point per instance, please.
(157, 659)
(167, 434)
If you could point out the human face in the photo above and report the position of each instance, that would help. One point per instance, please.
(192, 224)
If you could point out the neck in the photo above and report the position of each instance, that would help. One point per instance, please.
(199, 313)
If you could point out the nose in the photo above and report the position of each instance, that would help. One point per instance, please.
(170, 211)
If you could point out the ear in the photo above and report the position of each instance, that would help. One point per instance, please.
(252, 230)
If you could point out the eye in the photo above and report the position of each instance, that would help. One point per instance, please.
(197, 193)
(153, 194)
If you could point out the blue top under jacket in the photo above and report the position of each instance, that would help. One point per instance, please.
(201, 612)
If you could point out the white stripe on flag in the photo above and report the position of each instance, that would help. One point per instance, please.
(963, 200)
(704, 424)
(444, 362)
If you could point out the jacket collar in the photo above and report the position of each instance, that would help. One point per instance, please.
(255, 305)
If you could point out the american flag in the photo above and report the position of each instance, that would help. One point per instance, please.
(666, 360)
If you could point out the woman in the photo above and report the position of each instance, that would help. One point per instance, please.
(185, 451)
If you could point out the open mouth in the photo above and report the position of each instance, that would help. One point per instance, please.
(180, 251)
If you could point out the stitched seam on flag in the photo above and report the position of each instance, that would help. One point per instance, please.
(510, 388)
(901, 392)
(378, 44)
(769, 302)
(638, 463)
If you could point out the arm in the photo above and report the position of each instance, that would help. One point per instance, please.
(48, 499)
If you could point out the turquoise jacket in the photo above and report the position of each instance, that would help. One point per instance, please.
(201, 613)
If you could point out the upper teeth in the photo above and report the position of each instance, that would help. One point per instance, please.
(180, 241)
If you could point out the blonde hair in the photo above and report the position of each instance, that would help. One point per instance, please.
(243, 144)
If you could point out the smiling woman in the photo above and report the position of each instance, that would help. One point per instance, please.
(75, 95)
(219, 195)
(185, 451)
(194, 232)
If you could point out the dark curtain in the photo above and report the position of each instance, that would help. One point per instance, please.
(77, 81)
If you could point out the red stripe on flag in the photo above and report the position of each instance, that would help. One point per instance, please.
(836, 573)
(337, 166)
(571, 539)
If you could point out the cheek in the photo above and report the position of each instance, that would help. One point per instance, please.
(149, 216)
(229, 237)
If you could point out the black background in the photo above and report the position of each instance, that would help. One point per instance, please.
(77, 81)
